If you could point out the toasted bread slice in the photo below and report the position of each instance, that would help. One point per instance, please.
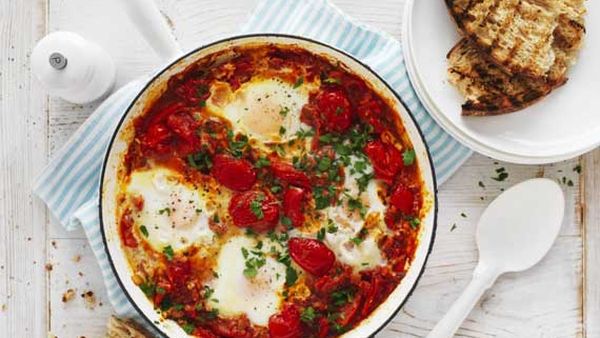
(488, 89)
(517, 35)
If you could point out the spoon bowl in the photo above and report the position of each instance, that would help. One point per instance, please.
(514, 233)
(518, 228)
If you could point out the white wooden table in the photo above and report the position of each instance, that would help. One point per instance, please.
(39, 261)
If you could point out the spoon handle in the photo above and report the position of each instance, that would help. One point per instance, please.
(483, 278)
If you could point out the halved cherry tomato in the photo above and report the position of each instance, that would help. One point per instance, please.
(293, 203)
(235, 174)
(334, 110)
(285, 324)
(403, 199)
(254, 209)
(287, 173)
(312, 255)
(386, 159)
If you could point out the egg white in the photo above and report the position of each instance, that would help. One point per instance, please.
(366, 254)
(174, 214)
(235, 294)
(261, 107)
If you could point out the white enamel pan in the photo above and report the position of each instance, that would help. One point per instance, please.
(151, 24)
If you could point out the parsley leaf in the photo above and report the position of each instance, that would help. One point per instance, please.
(144, 230)
(299, 82)
(308, 315)
(168, 252)
(262, 162)
(256, 207)
(408, 157)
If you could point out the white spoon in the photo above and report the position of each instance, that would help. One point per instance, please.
(514, 233)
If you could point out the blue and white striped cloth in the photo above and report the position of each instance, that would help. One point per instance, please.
(69, 184)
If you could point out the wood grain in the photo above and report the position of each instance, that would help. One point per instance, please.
(23, 140)
(554, 299)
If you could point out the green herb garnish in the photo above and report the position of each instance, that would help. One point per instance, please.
(168, 252)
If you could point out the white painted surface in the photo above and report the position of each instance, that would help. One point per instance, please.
(558, 298)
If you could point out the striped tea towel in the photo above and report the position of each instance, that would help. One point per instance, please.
(69, 184)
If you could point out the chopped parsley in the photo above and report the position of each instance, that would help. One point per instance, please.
(323, 163)
(408, 157)
(356, 204)
(256, 206)
(286, 221)
(356, 240)
(254, 261)
(291, 275)
(237, 144)
(299, 82)
(188, 328)
(282, 130)
(144, 230)
(341, 297)
(284, 111)
(200, 161)
(481, 184)
(262, 162)
(308, 315)
(166, 210)
(577, 169)
(148, 288)
(321, 234)
(303, 133)
(414, 222)
(502, 175)
(276, 189)
(168, 252)
(331, 80)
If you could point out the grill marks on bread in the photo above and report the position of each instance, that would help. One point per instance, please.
(514, 51)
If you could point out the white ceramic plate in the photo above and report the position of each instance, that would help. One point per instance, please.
(563, 125)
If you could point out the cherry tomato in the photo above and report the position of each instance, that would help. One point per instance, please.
(293, 202)
(254, 209)
(386, 159)
(235, 174)
(184, 126)
(285, 324)
(287, 173)
(312, 255)
(334, 109)
(203, 333)
(403, 199)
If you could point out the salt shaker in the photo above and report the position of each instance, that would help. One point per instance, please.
(73, 68)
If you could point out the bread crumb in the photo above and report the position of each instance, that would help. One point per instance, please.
(76, 258)
(90, 299)
(49, 267)
(68, 295)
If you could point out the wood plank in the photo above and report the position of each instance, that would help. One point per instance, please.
(590, 187)
(75, 268)
(23, 141)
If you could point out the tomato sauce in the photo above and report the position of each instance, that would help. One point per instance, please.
(272, 194)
